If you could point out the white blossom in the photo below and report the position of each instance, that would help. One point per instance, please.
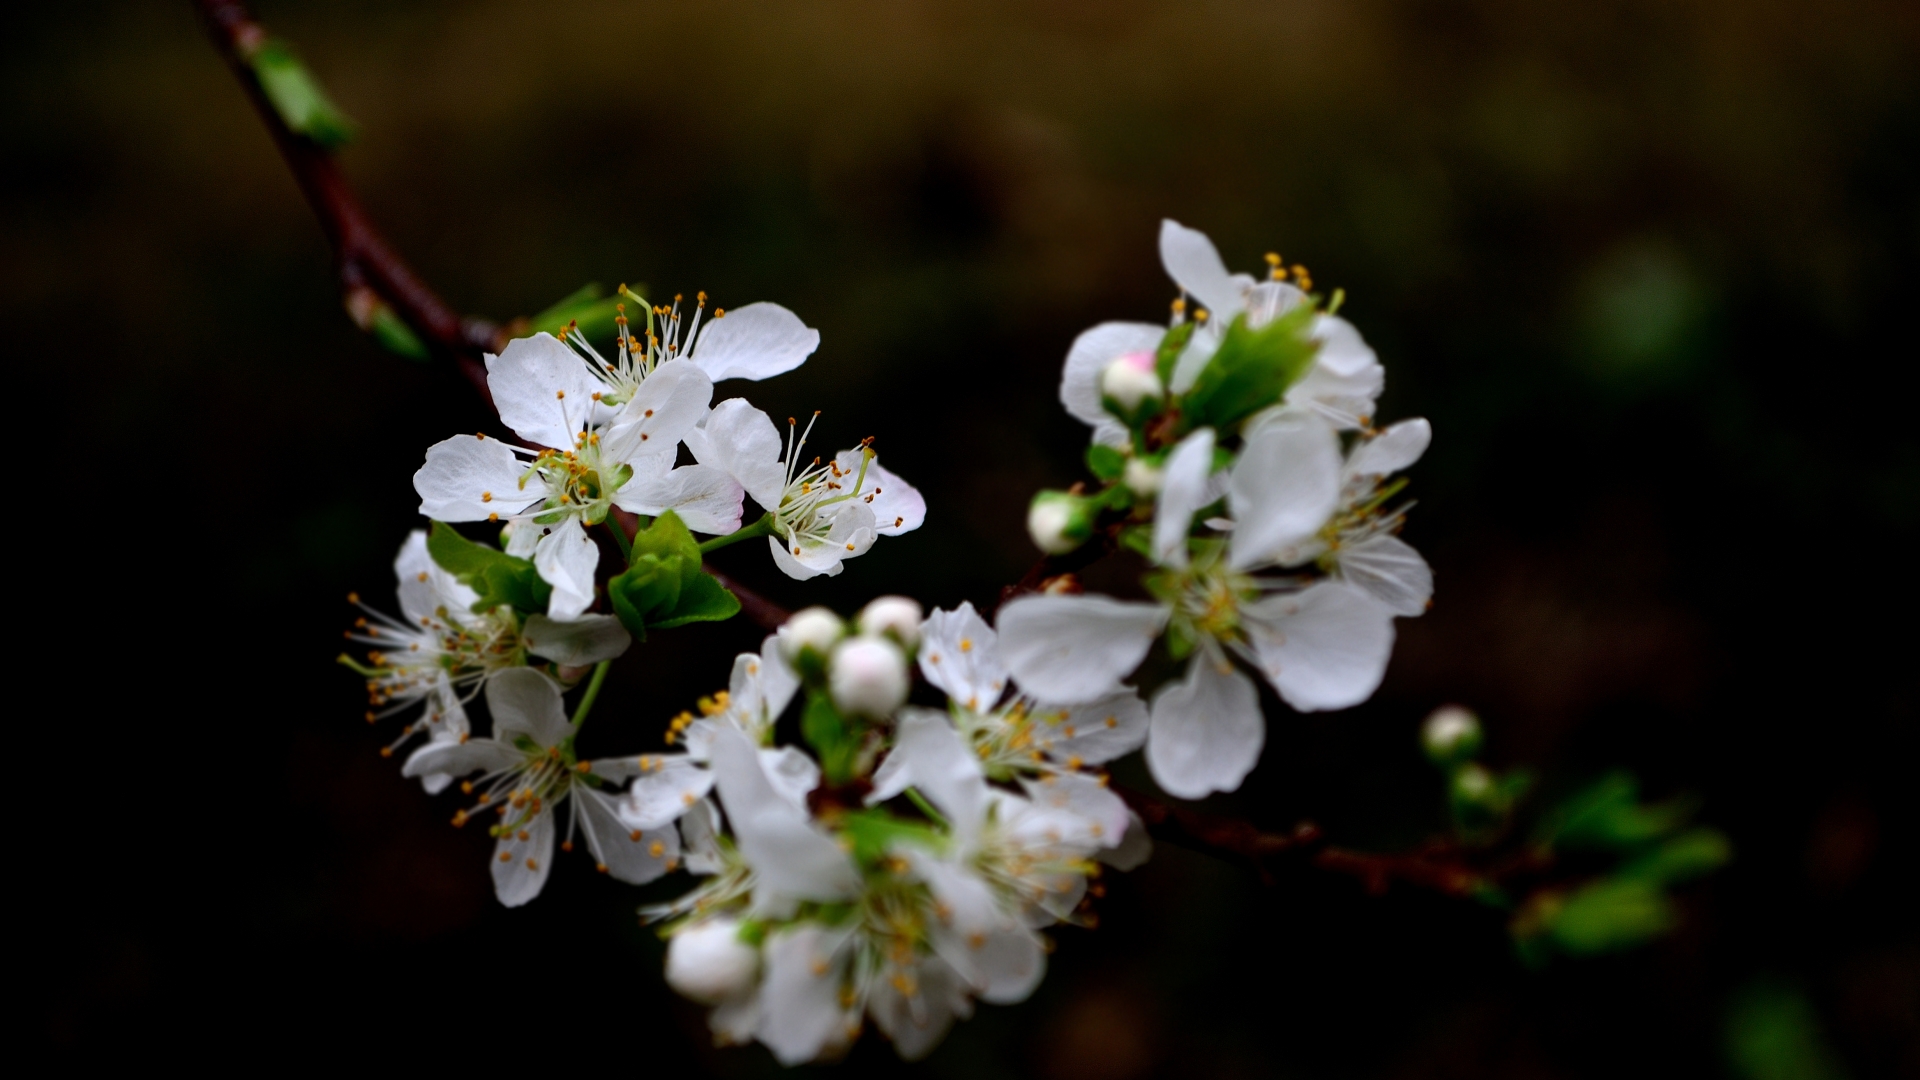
(867, 676)
(606, 436)
(529, 774)
(822, 514)
(441, 651)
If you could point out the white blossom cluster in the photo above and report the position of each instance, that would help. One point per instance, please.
(943, 802)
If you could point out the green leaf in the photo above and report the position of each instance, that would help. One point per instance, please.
(498, 577)
(296, 95)
(875, 832)
(1171, 346)
(702, 599)
(1608, 815)
(1251, 370)
(1609, 915)
(831, 737)
(663, 585)
(1681, 858)
(1105, 462)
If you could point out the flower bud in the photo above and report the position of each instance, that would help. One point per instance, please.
(895, 616)
(1143, 477)
(1131, 380)
(1450, 734)
(707, 961)
(1059, 522)
(867, 677)
(813, 628)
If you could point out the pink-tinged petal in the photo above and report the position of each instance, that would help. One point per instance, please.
(1088, 358)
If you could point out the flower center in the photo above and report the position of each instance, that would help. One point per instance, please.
(577, 482)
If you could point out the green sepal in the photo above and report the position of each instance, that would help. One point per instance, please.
(1116, 497)
(1138, 539)
(831, 736)
(874, 833)
(499, 578)
(589, 307)
(1250, 371)
(663, 585)
(1168, 354)
(1105, 462)
(296, 95)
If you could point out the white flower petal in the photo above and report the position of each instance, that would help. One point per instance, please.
(960, 654)
(758, 341)
(742, 441)
(1133, 850)
(1323, 648)
(424, 588)
(783, 557)
(1088, 358)
(459, 758)
(1282, 490)
(520, 866)
(1095, 732)
(668, 404)
(1207, 729)
(1081, 796)
(466, 478)
(665, 787)
(707, 499)
(566, 559)
(1183, 491)
(631, 855)
(1072, 649)
(588, 639)
(800, 1009)
(944, 768)
(1343, 352)
(791, 857)
(1388, 569)
(1193, 359)
(1269, 300)
(897, 506)
(525, 702)
(917, 1022)
(1194, 264)
(542, 390)
(1392, 450)
(792, 773)
(699, 829)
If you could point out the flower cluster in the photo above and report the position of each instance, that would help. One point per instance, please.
(944, 804)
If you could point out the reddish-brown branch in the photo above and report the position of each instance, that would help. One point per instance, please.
(370, 270)
(365, 262)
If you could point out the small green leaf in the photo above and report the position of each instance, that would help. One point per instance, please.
(296, 95)
(1609, 915)
(1105, 462)
(703, 599)
(1681, 858)
(1250, 371)
(593, 313)
(499, 578)
(1171, 346)
(1608, 815)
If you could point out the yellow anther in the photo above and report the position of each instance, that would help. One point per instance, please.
(966, 644)
(506, 857)
(657, 849)
(531, 865)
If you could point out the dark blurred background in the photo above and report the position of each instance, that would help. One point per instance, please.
(1649, 267)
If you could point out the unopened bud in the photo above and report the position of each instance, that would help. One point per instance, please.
(1143, 477)
(1059, 522)
(868, 676)
(1450, 734)
(708, 962)
(1472, 784)
(813, 628)
(1131, 380)
(895, 616)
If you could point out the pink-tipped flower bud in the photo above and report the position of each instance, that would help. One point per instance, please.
(867, 677)
(1130, 380)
